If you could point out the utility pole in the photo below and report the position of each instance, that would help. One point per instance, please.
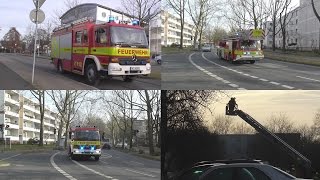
(149, 28)
(35, 40)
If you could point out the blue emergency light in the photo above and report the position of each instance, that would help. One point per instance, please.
(135, 22)
(81, 147)
(111, 19)
(92, 148)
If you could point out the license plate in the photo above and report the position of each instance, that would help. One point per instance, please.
(134, 68)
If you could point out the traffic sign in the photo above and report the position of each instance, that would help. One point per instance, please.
(40, 3)
(41, 16)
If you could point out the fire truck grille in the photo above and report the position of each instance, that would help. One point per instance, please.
(131, 62)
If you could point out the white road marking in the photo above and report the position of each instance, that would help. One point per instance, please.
(138, 172)
(96, 172)
(275, 83)
(254, 77)
(308, 78)
(10, 157)
(59, 169)
(261, 79)
(135, 162)
(289, 87)
(209, 73)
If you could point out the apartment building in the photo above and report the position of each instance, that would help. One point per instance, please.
(23, 117)
(171, 30)
(302, 29)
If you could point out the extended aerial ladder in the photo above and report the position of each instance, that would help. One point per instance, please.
(232, 110)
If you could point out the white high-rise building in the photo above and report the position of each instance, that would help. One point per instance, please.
(302, 29)
(171, 30)
(23, 117)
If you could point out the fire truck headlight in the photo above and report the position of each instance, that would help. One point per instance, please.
(97, 151)
(244, 53)
(116, 69)
(76, 151)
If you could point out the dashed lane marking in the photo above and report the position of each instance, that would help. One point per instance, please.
(59, 169)
(245, 74)
(308, 78)
(96, 172)
(211, 74)
(10, 157)
(138, 172)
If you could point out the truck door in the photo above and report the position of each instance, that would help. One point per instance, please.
(100, 44)
(80, 49)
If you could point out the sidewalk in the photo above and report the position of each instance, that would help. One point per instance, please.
(135, 151)
(308, 58)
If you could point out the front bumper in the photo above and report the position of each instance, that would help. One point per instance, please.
(116, 69)
(86, 152)
(249, 58)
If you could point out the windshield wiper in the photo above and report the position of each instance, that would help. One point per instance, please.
(122, 44)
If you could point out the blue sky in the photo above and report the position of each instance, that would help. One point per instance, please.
(15, 13)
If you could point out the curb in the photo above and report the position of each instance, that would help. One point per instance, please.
(5, 165)
(155, 158)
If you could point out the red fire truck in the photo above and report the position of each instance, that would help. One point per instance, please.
(96, 45)
(243, 46)
(84, 142)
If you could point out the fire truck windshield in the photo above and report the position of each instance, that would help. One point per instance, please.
(250, 45)
(125, 36)
(86, 136)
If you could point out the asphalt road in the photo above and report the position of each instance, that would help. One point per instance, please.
(204, 70)
(113, 165)
(46, 77)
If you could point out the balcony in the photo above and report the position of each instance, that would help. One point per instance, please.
(12, 125)
(30, 108)
(10, 113)
(12, 101)
(31, 119)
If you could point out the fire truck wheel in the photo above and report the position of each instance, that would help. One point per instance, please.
(252, 62)
(59, 67)
(128, 78)
(96, 158)
(91, 74)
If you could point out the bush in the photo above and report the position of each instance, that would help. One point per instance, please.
(141, 151)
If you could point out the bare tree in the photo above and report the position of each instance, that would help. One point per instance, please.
(40, 96)
(242, 128)
(179, 8)
(308, 133)
(284, 20)
(200, 12)
(144, 10)
(222, 124)
(68, 4)
(280, 123)
(68, 103)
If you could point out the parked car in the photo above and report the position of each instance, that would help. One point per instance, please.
(106, 145)
(206, 48)
(33, 141)
(157, 58)
(119, 145)
(236, 170)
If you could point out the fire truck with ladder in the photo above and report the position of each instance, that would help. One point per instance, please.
(303, 164)
(84, 142)
(97, 41)
(244, 46)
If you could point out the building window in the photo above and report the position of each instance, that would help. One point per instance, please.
(296, 40)
(296, 21)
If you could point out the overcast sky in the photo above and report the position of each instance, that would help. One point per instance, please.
(300, 106)
(15, 13)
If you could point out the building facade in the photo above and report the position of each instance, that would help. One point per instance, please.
(171, 30)
(23, 117)
(302, 29)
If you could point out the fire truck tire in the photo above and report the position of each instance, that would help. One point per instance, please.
(252, 62)
(59, 67)
(128, 78)
(229, 57)
(73, 157)
(91, 73)
(96, 158)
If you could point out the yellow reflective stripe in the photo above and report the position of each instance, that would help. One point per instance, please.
(85, 143)
(113, 51)
(65, 49)
(80, 50)
(238, 52)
